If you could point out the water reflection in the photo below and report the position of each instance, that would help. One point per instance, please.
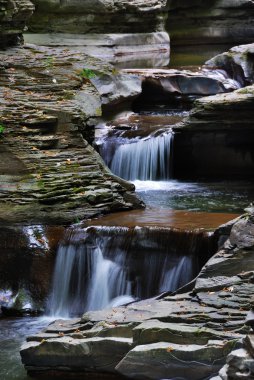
(230, 196)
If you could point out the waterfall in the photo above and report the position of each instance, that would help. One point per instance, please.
(85, 280)
(99, 267)
(147, 159)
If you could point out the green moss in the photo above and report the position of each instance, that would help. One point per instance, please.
(87, 73)
(41, 184)
(2, 128)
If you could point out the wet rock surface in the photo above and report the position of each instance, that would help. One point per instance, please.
(195, 330)
(26, 267)
(238, 62)
(50, 100)
(119, 48)
(13, 17)
(202, 81)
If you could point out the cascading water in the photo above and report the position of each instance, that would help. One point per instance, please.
(147, 159)
(102, 267)
(85, 280)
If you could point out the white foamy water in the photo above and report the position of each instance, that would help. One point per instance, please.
(147, 159)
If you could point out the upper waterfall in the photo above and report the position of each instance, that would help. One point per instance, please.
(146, 159)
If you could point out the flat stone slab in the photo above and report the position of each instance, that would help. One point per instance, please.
(158, 360)
(155, 331)
(100, 354)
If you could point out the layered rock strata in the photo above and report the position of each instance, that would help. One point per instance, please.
(50, 100)
(186, 334)
(201, 22)
(144, 49)
(13, 17)
(201, 81)
(217, 137)
(102, 16)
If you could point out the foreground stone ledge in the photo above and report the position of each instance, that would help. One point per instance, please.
(158, 360)
(97, 354)
(188, 335)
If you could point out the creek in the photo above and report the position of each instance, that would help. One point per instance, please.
(128, 262)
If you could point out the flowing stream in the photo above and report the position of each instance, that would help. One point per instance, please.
(99, 267)
(102, 267)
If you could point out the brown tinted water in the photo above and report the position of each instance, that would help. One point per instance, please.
(180, 219)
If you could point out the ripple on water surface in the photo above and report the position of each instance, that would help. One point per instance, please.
(13, 332)
(221, 197)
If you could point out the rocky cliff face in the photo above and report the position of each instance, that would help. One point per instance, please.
(99, 16)
(188, 22)
(48, 171)
(13, 16)
(213, 21)
(218, 135)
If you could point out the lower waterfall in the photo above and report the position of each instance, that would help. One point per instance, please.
(101, 267)
(147, 159)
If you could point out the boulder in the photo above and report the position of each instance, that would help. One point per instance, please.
(13, 17)
(238, 62)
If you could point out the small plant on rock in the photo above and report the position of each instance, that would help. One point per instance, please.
(87, 74)
(2, 128)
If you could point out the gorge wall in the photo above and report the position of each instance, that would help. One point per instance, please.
(212, 21)
(188, 22)
(107, 16)
(13, 17)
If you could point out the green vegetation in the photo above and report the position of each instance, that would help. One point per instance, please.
(87, 74)
(2, 128)
(49, 61)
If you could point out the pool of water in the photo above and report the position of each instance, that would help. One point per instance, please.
(13, 332)
(216, 197)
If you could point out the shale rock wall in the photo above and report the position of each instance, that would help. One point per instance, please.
(49, 173)
(13, 16)
(98, 16)
(212, 21)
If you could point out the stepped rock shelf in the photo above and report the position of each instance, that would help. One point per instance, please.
(49, 173)
(51, 98)
(173, 335)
